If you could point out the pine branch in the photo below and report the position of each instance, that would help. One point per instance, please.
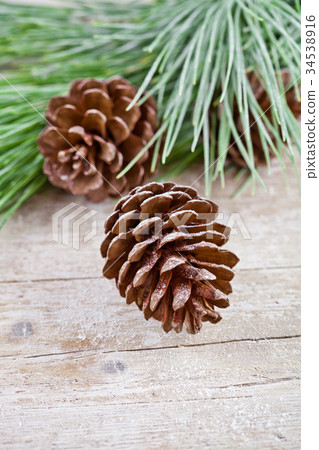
(191, 55)
(215, 46)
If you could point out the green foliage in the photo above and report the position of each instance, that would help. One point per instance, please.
(190, 55)
(203, 52)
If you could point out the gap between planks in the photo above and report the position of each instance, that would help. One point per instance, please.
(90, 351)
(40, 280)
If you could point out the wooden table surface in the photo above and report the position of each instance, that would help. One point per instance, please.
(81, 369)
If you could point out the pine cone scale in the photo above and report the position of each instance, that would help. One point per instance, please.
(99, 100)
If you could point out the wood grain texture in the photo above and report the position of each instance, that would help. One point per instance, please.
(102, 320)
(216, 395)
(81, 369)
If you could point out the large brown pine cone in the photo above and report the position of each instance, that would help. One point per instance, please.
(162, 246)
(265, 103)
(91, 138)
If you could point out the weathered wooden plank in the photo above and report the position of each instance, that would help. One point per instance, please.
(272, 219)
(110, 379)
(266, 418)
(220, 395)
(264, 303)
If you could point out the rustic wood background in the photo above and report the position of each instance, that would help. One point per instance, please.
(81, 369)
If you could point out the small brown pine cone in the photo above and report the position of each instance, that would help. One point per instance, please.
(265, 103)
(162, 246)
(91, 138)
